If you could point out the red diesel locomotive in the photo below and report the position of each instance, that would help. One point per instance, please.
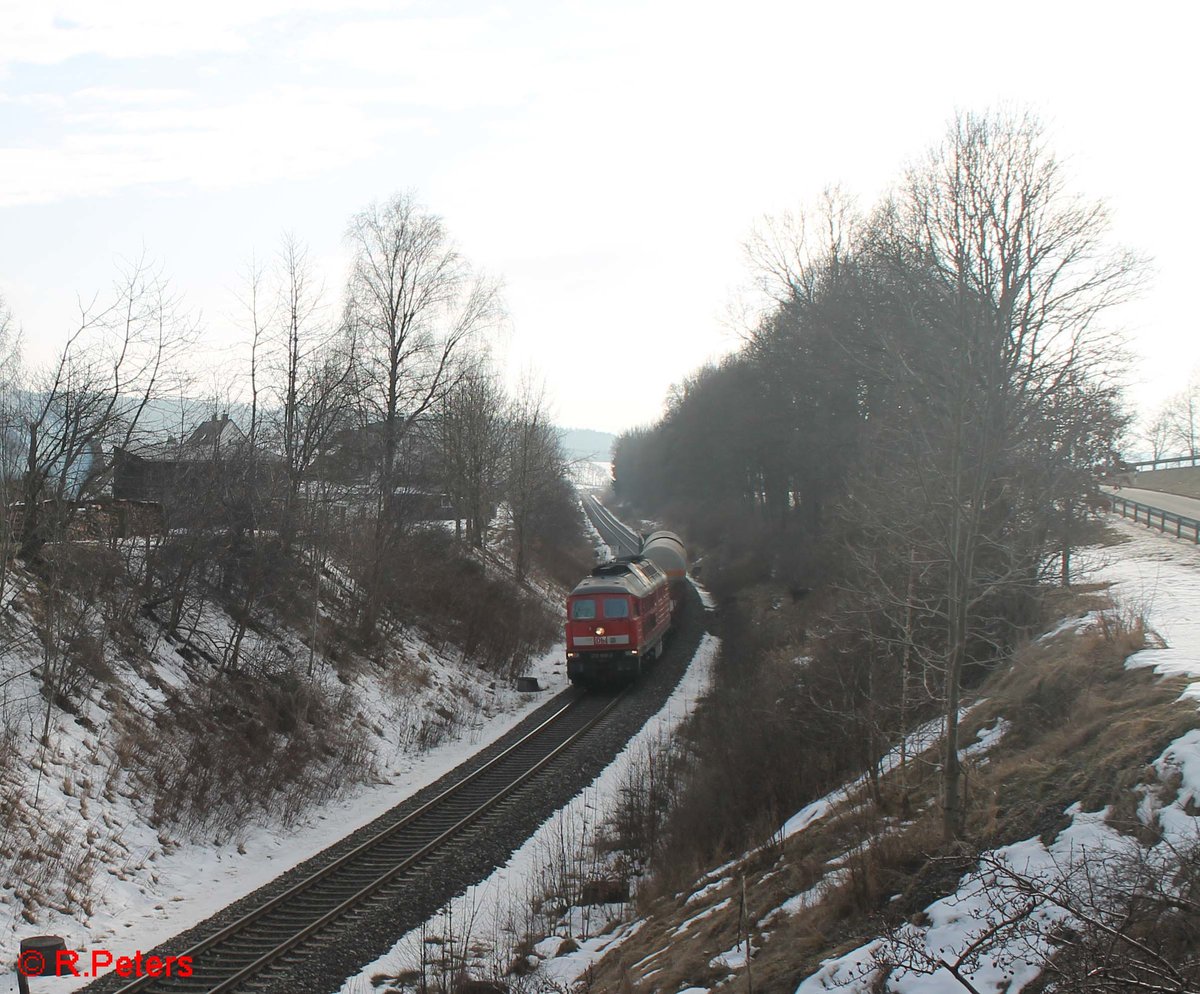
(616, 618)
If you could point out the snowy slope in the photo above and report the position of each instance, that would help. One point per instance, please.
(492, 916)
(1150, 573)
(1159, 575)
(113, 879)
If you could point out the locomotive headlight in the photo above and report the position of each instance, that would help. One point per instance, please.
(599, 631)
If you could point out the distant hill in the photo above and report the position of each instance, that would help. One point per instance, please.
(584, 443)
(179, 416)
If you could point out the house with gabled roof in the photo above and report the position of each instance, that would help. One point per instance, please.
(161, 471)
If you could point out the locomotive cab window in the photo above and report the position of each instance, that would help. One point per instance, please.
(616, 607)
(583, 610)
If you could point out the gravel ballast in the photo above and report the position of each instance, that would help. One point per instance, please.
(363, 935)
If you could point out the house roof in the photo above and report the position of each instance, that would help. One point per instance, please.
(216, 436)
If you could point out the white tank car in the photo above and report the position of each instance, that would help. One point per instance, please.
(666, 551)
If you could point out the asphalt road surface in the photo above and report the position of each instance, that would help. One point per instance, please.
(1189, 507)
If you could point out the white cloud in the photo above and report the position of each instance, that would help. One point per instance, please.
(47, 33)
(606, 158)
(451, 63)
(286, 133)
(145, 96)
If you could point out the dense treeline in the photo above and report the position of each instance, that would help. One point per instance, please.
(917, 423)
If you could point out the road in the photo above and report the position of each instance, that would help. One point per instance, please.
(1189, 507)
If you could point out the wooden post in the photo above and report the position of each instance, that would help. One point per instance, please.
(38, 957)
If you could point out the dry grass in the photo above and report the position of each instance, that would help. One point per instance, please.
(1082, 728)
(235, 746)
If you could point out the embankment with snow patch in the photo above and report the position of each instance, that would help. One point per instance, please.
(1082, 764)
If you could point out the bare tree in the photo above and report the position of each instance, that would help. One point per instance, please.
(998, 278)
(89, 401)
(10, 359)
(1107, 919)
(1182, 414)
(312, 363)
(793, 254)
(77, 411)
(250, 296)
(1157, 433)
(536, 466)
(414, 306)
(473, 423)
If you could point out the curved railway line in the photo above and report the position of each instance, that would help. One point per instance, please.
(244, 955)
(622, 539)
(324, 920)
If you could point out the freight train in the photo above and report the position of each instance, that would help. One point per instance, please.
(619, 617)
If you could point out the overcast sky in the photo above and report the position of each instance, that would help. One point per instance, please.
(606, 160)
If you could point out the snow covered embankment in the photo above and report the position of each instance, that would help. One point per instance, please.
(93, 863)
(995, 930)
(1003, 919)
(484, 929)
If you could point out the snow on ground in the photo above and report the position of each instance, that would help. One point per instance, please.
(1159, 578)
(735, 958)
(1180, 759)
(494, 912)
(808, 898)
(707, 599)
(984, 899)
(707, 889)
(149, 884)
(712, 909)
(1071, 625)
(987, 739)
(916, 742)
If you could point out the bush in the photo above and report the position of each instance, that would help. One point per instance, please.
(774, 734)
(434, 582)
(273, 742)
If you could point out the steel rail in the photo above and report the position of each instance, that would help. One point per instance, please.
(605, 520)
(617, 540)
(361, 852)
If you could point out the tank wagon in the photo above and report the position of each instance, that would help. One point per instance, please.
(617, 618)
(665, 550)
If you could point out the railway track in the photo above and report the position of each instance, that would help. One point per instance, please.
(619, 536)
(252, 952)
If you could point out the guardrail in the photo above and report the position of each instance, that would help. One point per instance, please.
(1154, 517)
(1176, 461)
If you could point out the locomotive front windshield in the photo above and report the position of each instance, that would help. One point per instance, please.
(616, 607)
(583, 610)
